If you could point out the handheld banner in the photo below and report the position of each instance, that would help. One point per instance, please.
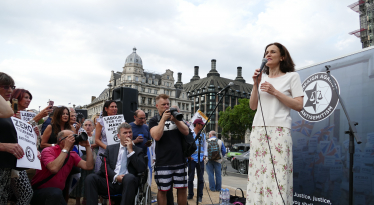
(27, 140)
(200, 115)
(110, 124)
(27, 116)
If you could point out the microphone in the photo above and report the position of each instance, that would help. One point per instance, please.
(264, 61)
(229, 85)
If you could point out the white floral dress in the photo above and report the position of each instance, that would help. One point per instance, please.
(261, 185)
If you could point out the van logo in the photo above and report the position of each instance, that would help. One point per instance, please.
(320, 99)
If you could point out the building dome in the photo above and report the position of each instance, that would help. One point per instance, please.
(133, 58)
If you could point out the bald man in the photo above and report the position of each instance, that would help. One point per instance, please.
(141, 136)
(57, 162)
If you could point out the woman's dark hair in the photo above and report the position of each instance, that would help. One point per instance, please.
(5, 79)
(20, 93)
(286, 65)
(106, 105)
(56, 120)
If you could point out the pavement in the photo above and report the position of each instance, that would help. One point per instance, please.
(231, 181)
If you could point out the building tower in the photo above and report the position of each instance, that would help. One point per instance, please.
(365, 8)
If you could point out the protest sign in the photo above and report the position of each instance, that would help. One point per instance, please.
(110, 124)
(27, 140)
(27, 116)
(200, 115)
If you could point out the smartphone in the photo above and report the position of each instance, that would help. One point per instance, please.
(15, 105)
(50, 103)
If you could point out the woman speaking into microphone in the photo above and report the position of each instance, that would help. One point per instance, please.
(276, 90)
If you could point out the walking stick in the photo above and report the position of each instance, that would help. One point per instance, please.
(106, 175)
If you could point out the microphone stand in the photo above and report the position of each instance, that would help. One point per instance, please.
(352, 135)
(200, 139)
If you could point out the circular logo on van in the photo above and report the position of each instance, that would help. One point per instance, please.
(30, 154)
(320, 98)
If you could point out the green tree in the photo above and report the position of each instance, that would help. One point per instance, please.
(237, 120)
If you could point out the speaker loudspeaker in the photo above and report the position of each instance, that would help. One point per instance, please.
(127, 102)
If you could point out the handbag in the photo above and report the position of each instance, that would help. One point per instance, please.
(236, 199)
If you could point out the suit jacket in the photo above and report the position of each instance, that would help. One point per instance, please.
(136, 163)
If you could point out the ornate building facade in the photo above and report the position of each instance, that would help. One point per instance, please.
(149, 85)
(203, 93)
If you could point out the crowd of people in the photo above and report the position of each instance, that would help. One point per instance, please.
(62, 154)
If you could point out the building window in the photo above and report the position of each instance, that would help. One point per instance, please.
(167, 92)
(182, 106)
(155, 91)
(149, 90)
(183, 96)
(129, 77)
(136, 78)
(143, 80)
(149, 101)
(167, 77)
(143, 100)
(179, 105)
(202, 98)
(153, 76)
(187, 105)
(149, 112)
(143, 89)
(135, 86)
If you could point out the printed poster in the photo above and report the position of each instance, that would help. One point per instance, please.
(110, 124)
(27, 140)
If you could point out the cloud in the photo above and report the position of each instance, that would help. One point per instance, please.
(64, 51)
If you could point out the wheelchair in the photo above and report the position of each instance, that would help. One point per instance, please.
(143, 196)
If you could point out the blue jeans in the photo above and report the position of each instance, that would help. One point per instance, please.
(192, 165)
(211, 168)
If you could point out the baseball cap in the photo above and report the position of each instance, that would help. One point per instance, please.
(198, 121)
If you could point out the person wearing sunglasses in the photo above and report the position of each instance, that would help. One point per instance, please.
(10, 150)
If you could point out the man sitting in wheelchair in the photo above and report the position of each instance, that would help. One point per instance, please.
(124, 162)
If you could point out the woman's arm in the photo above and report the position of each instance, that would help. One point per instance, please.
(98, 136)
(293, 103)
(5, 109)
(45, 137)
(42, 114)
(253, 101)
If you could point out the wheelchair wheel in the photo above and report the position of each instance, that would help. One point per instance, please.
(147, 195)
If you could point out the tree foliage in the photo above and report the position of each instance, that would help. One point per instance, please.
(237, 120)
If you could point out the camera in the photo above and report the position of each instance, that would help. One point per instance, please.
(80, 138)
(176, 114)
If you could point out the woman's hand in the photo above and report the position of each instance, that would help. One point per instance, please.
(39, 156)
(254, 77)
(13, 148)
(45, 112)
(17, 115)
(268, 88)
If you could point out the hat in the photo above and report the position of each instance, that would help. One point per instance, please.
(198, 121)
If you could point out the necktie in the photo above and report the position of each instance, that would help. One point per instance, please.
(123, 169)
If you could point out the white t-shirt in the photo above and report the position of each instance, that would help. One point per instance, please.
(275, 112)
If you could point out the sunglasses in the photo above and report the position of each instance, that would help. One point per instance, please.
(6, 87)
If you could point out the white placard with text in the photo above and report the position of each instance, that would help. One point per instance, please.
(111, 123)
(27, 116)
(27, 140)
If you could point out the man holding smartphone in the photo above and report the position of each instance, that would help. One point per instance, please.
(141, 136)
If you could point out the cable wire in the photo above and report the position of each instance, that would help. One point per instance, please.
(267, 139)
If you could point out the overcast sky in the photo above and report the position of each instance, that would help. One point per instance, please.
(65, 50)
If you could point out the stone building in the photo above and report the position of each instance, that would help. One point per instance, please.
(203, 93)
(149, 85)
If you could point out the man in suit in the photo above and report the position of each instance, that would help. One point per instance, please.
(124, 162)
